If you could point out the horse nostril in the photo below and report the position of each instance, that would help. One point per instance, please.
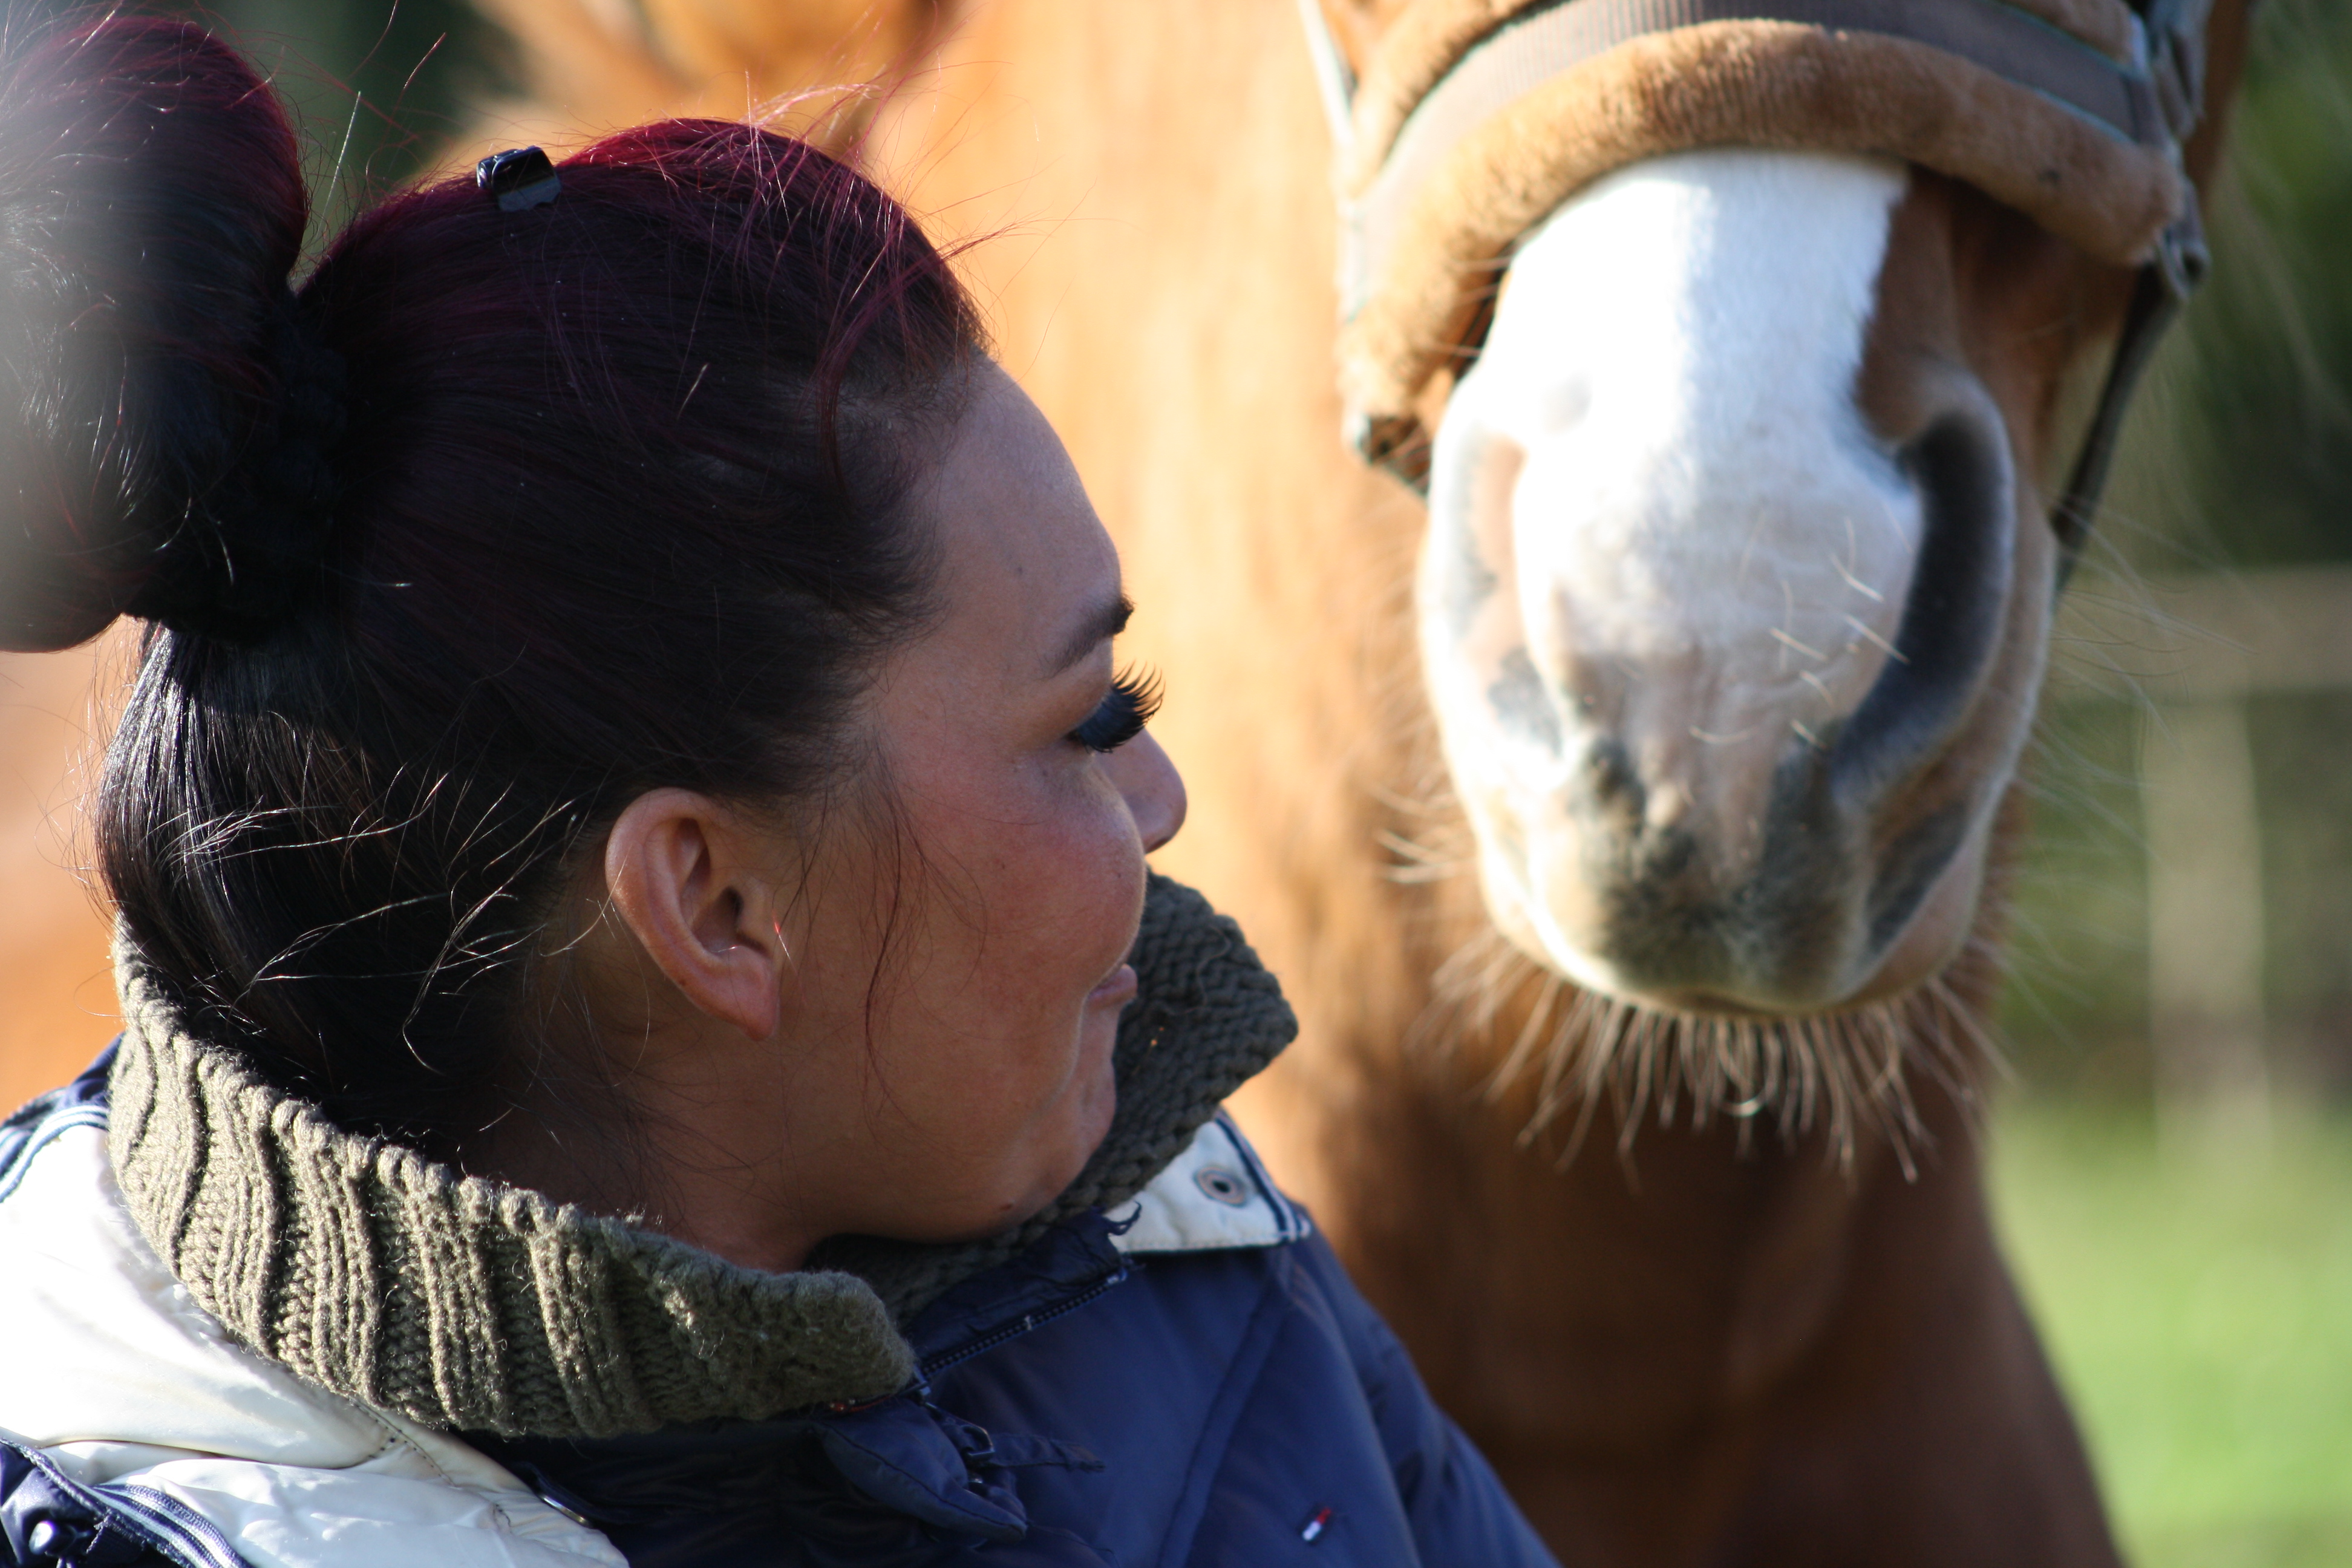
(1952, 617)
(1614, 783)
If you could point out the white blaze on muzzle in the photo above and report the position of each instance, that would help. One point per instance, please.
(1660, 538)
(1693, 492)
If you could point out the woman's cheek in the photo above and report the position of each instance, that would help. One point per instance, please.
(1122, 860)
(1094, 896)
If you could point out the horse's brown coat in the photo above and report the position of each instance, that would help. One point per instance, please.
(54, 972)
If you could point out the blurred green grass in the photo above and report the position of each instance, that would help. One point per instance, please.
(2198, 1301)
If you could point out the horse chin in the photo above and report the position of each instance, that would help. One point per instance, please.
(1570, 934)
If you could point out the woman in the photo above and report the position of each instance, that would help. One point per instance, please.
(648, 1037)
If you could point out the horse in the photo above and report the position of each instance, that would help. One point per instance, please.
(1624, 797)
(1530, 792)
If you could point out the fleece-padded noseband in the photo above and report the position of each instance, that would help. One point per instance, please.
(1476, 119)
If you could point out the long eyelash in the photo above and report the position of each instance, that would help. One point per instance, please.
(1129, 704)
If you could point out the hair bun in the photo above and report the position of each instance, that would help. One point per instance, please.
(258, 534)
(167, 418)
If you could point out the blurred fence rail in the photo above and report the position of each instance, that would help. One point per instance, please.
(2219, 638)
(2195, 651)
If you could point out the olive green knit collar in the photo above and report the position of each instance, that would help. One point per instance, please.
(466, 1304)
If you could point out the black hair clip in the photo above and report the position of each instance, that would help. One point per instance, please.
(518, 179)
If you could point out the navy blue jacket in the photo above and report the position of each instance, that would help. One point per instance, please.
(1241, 1406)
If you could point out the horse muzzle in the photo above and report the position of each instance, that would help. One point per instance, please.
(1728, 682)
(1731, 677)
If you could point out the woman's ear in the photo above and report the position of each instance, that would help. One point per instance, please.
(686, 880)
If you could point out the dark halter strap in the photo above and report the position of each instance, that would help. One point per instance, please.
(2153, 99)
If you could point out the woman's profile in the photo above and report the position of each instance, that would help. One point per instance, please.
(648, 1035)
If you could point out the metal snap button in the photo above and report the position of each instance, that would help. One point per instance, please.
(1223, 1186)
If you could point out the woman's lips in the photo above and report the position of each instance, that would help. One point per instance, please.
(1117, 986)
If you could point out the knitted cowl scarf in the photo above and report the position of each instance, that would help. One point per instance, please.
(466, 1304)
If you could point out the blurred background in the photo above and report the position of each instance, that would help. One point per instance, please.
(2173, 1153)
(2174, 1156)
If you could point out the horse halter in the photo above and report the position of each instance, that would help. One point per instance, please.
(1475, 119)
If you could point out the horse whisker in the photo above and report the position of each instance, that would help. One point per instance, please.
(1845, 1076)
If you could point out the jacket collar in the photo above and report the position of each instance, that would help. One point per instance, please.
(926, 1467)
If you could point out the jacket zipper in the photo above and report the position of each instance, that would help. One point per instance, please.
(1010, 1332)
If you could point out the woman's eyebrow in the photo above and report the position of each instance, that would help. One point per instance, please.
(1105, 621)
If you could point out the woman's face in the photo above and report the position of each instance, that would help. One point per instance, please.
(956, 977)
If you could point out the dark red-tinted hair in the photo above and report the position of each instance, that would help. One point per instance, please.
(611, 496)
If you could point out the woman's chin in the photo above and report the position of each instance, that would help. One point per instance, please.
(1065, 1137)
(1094, 1098)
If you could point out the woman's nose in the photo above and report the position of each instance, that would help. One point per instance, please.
(1153, 789)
